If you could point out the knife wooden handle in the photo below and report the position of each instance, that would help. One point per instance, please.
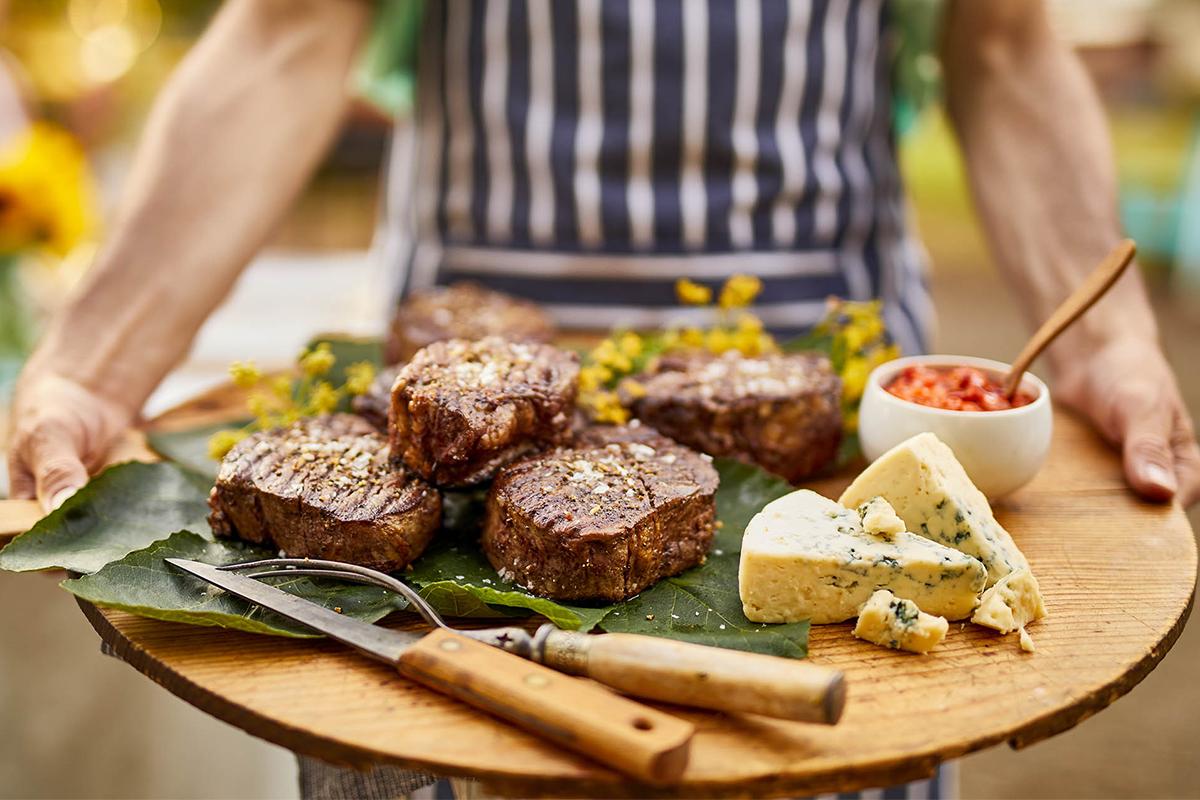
(638, 740)
(699, 676)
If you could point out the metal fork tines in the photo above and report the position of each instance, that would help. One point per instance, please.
(516, 640)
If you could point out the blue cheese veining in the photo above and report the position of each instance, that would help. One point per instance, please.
(806, 557)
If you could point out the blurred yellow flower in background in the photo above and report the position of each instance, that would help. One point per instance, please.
(739, 291)
(359, 377)
(47, 199)
(691, 293)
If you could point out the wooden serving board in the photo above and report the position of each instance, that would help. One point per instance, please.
(1117, 574)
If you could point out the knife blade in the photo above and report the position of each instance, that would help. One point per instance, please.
(638, 740)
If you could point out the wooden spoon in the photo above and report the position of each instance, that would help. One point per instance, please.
(1091, 290)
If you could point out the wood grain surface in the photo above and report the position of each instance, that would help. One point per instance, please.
(1117, 575)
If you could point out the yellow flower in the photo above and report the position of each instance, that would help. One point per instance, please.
(606, 407)
(692, 337)
(854, 378)
(718, 340)
(594, 376)
(359, 377)
(324, 399)
(630, 344)
(607, 354)
(259, 405)
(318, 361)
(221, 442)
(282, 387)
(244, 373)
(691, 293)
(739, 291)
(46, 194)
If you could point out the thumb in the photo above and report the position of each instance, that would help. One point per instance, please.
(1149, 462)
(57, 469)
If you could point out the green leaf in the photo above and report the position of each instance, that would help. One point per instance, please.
(743, 491)
(189, 447)
(142, 583)
(122, 509)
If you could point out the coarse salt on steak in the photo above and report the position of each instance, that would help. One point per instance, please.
(325, 487)
(463, 409)
(601, 522)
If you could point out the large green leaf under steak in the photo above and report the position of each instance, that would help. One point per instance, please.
(123, 509)
(143, 583)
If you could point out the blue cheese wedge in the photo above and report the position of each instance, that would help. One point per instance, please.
(930, 490)
(894, 622)
(806, 557)
(1011, 604)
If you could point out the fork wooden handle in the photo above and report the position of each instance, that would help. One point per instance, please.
(699, 676)
(638, 740)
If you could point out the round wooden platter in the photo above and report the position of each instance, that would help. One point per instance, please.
(1117, 574)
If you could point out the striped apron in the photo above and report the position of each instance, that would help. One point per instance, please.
(587, 154)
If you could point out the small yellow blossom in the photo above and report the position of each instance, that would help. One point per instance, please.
(259, 405)
(318, 361)
(630, 344)
(359, 377)
(718, 340)
(691, 293)
(324, 399)
(691, 337)
(854, 378)
(739, 291)
(593, 377)
(606, 407)
(47, 197)
(282, 387)
(244, 373)
(221, 442)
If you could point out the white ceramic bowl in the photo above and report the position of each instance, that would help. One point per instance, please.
(1001, 450)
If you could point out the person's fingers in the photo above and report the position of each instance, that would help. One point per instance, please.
(1187, 460)
(1146, 445)
(58, 471)
(20, 479)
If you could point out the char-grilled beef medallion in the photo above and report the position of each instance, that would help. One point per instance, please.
(463, 409)
(325, 487)
(779, 411)
(373, 404)
(462, 311)
(601, 522)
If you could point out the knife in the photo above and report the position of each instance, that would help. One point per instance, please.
(640, 741)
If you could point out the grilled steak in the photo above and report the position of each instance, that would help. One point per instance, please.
(598, 435)
(461, 410)
(324, 488)
(373, 404)
(780, 411)
(462, 311)
(601, 522)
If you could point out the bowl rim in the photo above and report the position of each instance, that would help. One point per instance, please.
(875, 384)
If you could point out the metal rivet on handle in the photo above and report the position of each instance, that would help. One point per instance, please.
(536, 681)
(450, 644)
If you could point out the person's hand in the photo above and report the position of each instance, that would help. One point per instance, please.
(59, 431)
(1128, 390)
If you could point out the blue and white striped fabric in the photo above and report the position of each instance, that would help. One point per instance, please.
(586, 154)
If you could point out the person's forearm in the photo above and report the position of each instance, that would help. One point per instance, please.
(232, 140)
(1040, 163)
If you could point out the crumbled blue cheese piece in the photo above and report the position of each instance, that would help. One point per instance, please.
(806, 557)
(894, 622)
(1011, 604)
(931, 492)
(878, 517)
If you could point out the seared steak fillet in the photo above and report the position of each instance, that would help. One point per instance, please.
(462, 311)
(780, 411)
(373, 405)
(598, 435)
(324, 488)
(602, 522)
(461, 410)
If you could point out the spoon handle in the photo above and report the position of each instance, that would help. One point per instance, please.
(1091, 290)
